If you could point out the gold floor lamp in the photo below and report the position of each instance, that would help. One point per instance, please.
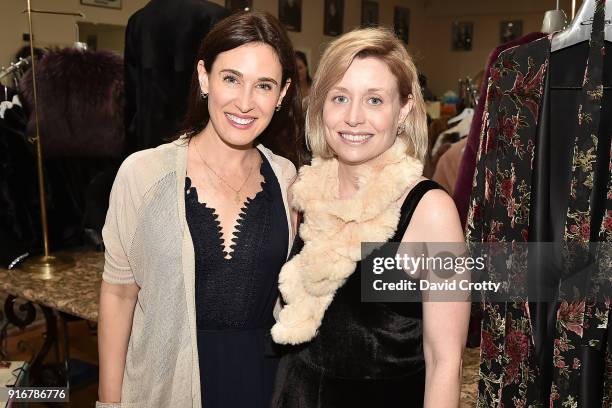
(46, 266)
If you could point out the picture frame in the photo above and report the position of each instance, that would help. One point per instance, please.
(462, 36)
(510, 30)
(238, 5)
(401, 23)
(333, 17)
(114, 4)
(290, 14)
(369, 13)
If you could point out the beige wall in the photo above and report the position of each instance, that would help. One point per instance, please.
(53, 29)
(430, 31)
(443, 66)
(59, 30)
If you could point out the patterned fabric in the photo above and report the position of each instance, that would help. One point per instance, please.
(499, 212)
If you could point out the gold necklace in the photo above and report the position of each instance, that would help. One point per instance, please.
(237, 199)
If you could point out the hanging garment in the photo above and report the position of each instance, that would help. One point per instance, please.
(538, 136)
(80, 112)
(80, 103)
(435, 128)
(161, 45)
(18, 189)
(448, 165)
(463, 186)
(461, 129)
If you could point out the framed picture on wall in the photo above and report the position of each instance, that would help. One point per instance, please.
(510, 30)
(463, 34)
(290, 14)
(116, 4)
(333, 17)
(238, 5)
(369, 13)
(401, 23)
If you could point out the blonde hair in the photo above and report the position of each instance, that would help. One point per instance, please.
(367, 42)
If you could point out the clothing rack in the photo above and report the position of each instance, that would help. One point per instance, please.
(15, 67)
(16, 71)
(61, 13)
(47, 266)
(468, 92)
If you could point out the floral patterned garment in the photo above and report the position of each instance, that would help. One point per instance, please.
(499, 211)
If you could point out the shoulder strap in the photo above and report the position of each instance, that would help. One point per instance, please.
(410, 203)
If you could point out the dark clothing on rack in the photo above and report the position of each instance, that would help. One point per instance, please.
(551, 195)
(161, 44)
(365, 354)
(80, 103)
(465, 176)
(235, 297)
(80, 113)
(18, 188)
(531, 151)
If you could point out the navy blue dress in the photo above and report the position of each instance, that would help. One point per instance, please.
(235, 297)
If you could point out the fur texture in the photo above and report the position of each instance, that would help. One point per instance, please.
(80, 103)
(333, 230)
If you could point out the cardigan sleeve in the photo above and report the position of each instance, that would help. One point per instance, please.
(119, 228)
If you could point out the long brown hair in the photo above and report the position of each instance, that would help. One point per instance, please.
(283, 134)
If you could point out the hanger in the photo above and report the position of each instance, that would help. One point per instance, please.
(554, 20)
(463, 128)
(580, 28)
(467, 112)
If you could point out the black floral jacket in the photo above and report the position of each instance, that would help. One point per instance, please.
(499, 211)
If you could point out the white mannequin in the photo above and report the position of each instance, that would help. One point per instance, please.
(580, 28)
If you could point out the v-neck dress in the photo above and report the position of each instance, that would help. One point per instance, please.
(235, 297)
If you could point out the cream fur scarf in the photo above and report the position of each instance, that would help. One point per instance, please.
(333, 230)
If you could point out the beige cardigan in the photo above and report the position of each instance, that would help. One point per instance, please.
(148, 242)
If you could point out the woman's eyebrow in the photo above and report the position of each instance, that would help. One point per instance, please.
(232, 71)
(239, 74)
(340, 88)
(343, 89)
(265, 79)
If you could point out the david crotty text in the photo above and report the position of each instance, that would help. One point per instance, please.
(424, 284)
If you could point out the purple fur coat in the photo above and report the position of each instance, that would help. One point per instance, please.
(80, 103)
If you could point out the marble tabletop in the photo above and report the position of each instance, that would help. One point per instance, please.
(76, 292)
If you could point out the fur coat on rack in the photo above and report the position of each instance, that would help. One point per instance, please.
(80, 103)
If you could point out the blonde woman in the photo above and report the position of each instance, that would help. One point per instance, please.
(366, 126)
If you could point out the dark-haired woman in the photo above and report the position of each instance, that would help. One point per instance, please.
(197, 231)
(303, 74)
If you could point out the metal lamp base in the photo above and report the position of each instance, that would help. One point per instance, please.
(47, 267)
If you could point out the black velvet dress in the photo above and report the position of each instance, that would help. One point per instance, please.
(235, 297)
(365, 354)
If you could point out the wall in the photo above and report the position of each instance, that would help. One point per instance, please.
(53, 29)
(443, 66)
(430, 30)
(60, 30)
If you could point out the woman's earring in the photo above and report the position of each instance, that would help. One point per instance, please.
(204, 95)
(400, 129)
(278, 107)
